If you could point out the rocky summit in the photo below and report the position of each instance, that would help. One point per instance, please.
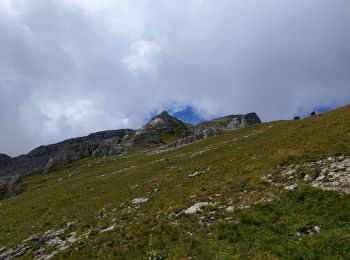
(159, 126)
(163, 132)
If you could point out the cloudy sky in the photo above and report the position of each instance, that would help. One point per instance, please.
(71, 67)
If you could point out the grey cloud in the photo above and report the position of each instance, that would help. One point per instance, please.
(68, 68)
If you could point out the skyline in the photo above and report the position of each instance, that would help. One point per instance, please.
(70, 68)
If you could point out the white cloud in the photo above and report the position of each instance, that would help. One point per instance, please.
(143, 57)
(75, 113)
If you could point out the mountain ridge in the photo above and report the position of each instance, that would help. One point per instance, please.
(163, 131)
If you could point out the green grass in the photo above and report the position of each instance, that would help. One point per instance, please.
(269, 228)
(96, 192)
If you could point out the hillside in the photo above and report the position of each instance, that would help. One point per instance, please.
(162, 132)
(276, 190)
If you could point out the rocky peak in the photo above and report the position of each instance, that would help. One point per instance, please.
(162, 121)
(159, 125)
(164, 115)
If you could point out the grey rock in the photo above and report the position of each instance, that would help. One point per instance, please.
(13, 253)
(243, 121)
(308, 230)
(212, 128)
(46, 157)
(4, 160)
(8, 186)
(148, 136)
(233, 122)
(159, 125)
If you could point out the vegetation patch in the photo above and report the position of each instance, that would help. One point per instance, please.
(275, 227)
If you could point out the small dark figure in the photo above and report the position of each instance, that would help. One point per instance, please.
(312, 113)
(296, 118)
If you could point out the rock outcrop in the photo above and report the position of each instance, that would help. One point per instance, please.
(231, 122)
(212, 128)
(331, 173)
(4, 161)
(101, 143)
(160, 125)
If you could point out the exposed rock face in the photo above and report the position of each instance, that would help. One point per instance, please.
(101, 143)
(8, 186)
(243, 121)
(57, 240)
(159, 125)
(232, 122)
(4, 160)
(212, 128)
(331, 173)
(198, 135)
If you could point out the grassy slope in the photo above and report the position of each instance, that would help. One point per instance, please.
(89, 190)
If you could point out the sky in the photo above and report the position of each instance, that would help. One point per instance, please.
(72, 67)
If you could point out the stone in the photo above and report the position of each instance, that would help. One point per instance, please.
(308, 230)
(195, 174)
(291, 187)
(289, 172)
(197, 207)
(139, 200)
(266, 178)
(230, 209)
(320, 178)
(307, 177)
(108, 229)
(14, 253)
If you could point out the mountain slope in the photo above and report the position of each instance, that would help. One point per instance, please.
(228, 195)
(161, 130)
